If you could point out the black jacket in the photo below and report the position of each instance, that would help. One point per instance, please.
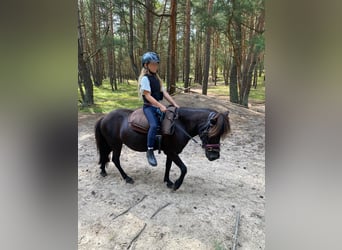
(155, 89)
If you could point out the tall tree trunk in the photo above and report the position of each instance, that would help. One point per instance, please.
(248, 84)
(251, 60)
(168, 68)
(261, 68)
(235, 37)
(227, 65)
(247, 78)
(120, 59)
(88, 84)
(255, 73)
(110, 47)
(84, 69)
(187, 46)
(233, 90)
(214, 58)
(130, 41)
(159, 27)
(80, 80)
(173, 44)
(97, 72)
(244, 83)
(198, 60)
(255, 78)
(207, 52)
(110, 67)
(149, 24)
(238, 57)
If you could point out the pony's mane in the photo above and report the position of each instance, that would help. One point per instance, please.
(222, 126)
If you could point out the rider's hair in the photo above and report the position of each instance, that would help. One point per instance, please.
(143, 72)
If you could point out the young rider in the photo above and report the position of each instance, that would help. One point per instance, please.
(152, 92)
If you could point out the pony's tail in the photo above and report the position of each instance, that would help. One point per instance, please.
(101, 143)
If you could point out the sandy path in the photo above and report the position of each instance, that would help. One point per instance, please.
(200, 215)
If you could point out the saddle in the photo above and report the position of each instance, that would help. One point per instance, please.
(138, 121)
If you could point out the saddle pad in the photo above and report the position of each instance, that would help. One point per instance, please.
(137, 120)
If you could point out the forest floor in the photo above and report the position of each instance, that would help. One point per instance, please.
(201, 214)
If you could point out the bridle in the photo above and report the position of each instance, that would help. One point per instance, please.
(204, 135)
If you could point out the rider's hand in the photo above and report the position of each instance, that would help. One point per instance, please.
(162, 108)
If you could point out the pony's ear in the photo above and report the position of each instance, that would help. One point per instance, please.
(226, 113)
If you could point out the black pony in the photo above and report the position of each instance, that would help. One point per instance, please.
(113, 130)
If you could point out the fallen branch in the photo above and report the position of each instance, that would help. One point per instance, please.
(136, 237)
(130, 207)
(236, 230)
(158, 210)
(181, 90)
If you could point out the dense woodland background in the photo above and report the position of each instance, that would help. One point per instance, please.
(198, 42)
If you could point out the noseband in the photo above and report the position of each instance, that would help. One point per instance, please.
(205, 135)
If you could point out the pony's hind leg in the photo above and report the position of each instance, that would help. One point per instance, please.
(116, 161)
(104, 159)
(102, 147)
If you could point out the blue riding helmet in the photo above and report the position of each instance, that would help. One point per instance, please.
(149, 57)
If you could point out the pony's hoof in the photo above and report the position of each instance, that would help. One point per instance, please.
(129, 180)
(169, 184)
(177, 185)
(103, 173)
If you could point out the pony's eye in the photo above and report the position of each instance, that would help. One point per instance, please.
(212, 121)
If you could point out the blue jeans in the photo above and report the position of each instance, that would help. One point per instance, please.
(153, 117)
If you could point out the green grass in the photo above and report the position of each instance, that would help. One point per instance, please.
(106, 100)
(220, 89)
(258, 93)
(127, 95)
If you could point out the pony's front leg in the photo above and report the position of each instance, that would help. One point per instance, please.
(169, 183)
(175, 158)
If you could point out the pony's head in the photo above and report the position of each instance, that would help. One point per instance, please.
(216, 127)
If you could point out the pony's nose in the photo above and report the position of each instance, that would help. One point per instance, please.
(213, 156)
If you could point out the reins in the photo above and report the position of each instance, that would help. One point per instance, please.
(186, 133)
(180, 128)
